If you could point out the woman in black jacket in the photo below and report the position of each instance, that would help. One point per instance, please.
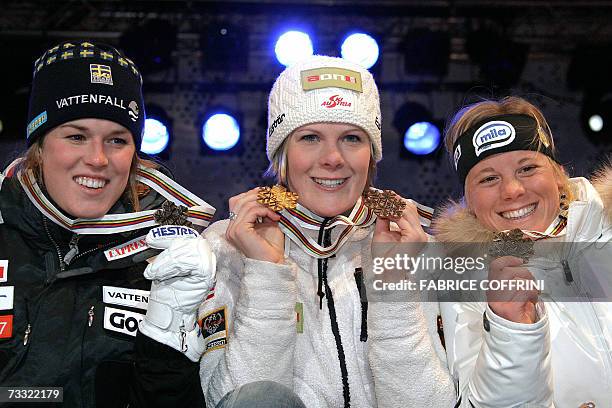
(74, 213)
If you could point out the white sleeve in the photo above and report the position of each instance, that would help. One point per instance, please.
(495, 361)
(256, 301)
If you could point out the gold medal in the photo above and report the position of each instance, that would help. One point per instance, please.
(511, 243)
(277, 198)
(384, 203)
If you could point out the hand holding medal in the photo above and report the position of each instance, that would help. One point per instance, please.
(511, 251)
(253, 226)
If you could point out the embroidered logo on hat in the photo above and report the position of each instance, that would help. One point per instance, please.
(133, 111)
(334, 100)
(36, 122)
(331, 77)
(491, 135)
(101, 74)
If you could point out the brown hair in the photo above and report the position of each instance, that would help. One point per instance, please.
(467, 116)
(32, 160)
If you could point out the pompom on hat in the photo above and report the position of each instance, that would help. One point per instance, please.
(323, 89)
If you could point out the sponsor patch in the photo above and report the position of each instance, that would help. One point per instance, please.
(6, 327)
(457, 156)
(3, 270)
(331, 77)
(214, 329)
(90, 98)
(172, 231)
(135, 298)
(491, 135)
(133, 112)
(122, 321)
(6, 297)
(126, 249)
(36, 123)
(274, 125)
(101, 74)
(336, 101)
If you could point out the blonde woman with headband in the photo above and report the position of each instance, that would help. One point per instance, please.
(528, 345)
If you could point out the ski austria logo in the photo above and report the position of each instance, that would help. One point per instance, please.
(491, 135)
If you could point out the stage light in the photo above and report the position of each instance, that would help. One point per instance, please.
(150, 45)
(157, 137)
(225, 47)
(221, 132)
(596, 117)
(361, 49)
(420, 132)
(422, 138)
(293, 46)
(596, 123)
(426, 52)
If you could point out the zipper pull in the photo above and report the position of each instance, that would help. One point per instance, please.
(26, 334)
(182, 335)
(74, 249)
(567, 271)
(90, 316)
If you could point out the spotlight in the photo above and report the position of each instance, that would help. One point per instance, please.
(426, 52)
(225, 47)
(420, 132)
(157, 138)
(361, 49)
(220, 132)
(500, 59)
(422, 138)
(293, 46)
(596, 117)
(150, 45)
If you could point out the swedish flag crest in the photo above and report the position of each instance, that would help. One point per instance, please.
(100, 74)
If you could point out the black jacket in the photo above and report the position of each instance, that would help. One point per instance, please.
(59, 336)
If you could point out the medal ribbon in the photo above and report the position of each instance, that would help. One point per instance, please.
(293, 221)
(199, 211)
(555, 229)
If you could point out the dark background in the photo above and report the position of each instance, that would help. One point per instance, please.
(439, 54)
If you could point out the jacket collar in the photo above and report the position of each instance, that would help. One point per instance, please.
(587, 214)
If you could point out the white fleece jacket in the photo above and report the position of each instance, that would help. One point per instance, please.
(251, 332)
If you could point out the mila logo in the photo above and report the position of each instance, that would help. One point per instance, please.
(492, 135)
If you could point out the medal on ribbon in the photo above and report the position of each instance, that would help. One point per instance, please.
(277, 198)
(384, 203)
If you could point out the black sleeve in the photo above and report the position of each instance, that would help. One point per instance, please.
(163, 377)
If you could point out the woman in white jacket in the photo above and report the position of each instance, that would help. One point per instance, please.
(533, 348)
(287, 307)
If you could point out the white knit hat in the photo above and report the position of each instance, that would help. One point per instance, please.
(323, 89)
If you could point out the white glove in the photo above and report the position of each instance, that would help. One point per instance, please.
(182, 276)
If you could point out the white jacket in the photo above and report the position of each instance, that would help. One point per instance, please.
(564, 359)
(252, 334)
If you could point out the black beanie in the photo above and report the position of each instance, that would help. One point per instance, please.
(79, 79)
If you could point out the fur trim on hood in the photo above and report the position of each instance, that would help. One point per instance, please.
(602, 181)
(455, 223)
